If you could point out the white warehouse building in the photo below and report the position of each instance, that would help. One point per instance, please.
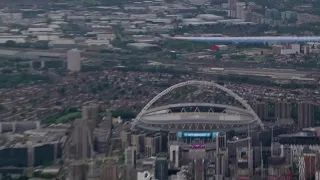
(286, 49)
(74, 60)
(209, 17)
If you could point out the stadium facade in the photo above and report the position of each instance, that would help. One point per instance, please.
(196, 117)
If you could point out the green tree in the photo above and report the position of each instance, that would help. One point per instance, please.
(6, 71)
(2, 108)
(125, 114)
(10, 43)
(62, 91)
(41, 45)
(218, 56)
(48, 20)
(11, 80)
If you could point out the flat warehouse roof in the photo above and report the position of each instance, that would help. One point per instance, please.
(8, 52)
(39, 53)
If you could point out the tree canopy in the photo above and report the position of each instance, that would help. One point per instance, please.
(10, 80)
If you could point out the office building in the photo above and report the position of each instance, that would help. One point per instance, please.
(79, 145)
(221, 162)
(279, 169)
(272, 13)
(173, 55)
(282, 110)
(257, 156)
(308, 164)
(102, 136)
(317, 175)
(36, 151)
(261, 109)
(236, 143)
(232, 8)
(130, 155)
(90, 113)
(77, 171)
(93, 171)
(153, 145)
(287, 153)
(125, 139)
(199, 169)
(305, 114)
(19, 126)
(109, 172)
(240, 10)
(175, 155)
(106, 121)
(276, 149)
(221, 141)
(244, 163)
(286, 49)
(159, 142)
(137, 140)
(118, 172)
(161, 169)
(74, 60)
(101, 143)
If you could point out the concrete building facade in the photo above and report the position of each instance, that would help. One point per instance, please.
(305, 114)
(74, 60)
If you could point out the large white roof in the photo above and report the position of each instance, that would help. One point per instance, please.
(40, 29)
(231, 114)
(251, 39)
(209, 17)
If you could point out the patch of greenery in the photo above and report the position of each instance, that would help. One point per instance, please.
(124, 114)
(121, 159)
(219, 13)
(31, 14)
(65, 116)
(86, 68)
(35, 45)
(11, 80)
(186, 45)
(114, 2)
(68, 117)
(2, 108)
(238, 57)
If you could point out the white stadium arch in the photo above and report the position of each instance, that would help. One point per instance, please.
(197, 83)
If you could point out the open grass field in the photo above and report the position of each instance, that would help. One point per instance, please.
(68, 117)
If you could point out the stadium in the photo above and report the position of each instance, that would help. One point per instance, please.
(196, 119)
